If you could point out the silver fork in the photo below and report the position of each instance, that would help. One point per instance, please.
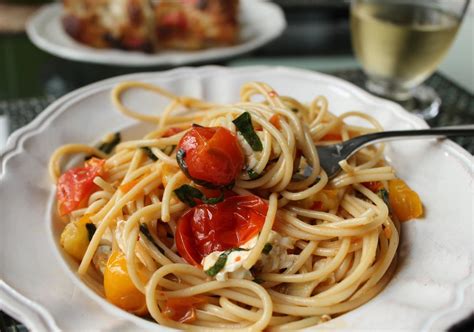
(331, 155)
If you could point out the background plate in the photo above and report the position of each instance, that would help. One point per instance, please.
(260, 23)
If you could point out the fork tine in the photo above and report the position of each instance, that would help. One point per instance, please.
(329, 158)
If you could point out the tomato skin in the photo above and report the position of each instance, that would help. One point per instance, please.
(275, 120)
(207, 228)
(212, 156)
(332, 137)
(374, 186)
(76, 185)
(182, 309)
(119, 288)
(405, 202)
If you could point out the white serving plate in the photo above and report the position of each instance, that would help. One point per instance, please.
(432, 288)
(260, 21)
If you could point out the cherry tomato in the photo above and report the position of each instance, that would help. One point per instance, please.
(373, 185)
(119, 288)
(406, 203)
(76, 185)
(275, 120)
(332, 137)
(182, 309)
(210, 156)
(207, 228)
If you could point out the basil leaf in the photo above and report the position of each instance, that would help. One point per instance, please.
(221, 260)
(146, 232)
(219, 265)
(90, 230)
(252, 174)
(267, 248)
(244, 126)
(107, 147)
(149, 153)
(187, 194)
(383, 194)
(258, 280)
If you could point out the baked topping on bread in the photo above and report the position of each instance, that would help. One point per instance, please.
(149, 26)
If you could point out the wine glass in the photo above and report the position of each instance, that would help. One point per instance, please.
(400, 43)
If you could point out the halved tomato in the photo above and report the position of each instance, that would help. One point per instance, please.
(183, 309)
(405, 202)
(210, 156)
(119, 288)
(207, 228)
(77, 184)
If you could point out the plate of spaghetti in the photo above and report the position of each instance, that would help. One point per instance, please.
(194, 199)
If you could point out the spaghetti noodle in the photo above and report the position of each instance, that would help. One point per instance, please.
(222, 217)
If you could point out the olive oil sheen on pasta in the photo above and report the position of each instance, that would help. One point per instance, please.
(401, 42)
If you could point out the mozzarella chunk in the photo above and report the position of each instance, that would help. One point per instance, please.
(278, 258)
(251, 156)
(233, 266)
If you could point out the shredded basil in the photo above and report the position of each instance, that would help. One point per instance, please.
(149, 153)
(145, 231)
(267, 248)
(107, 147)
(258, 280)
(383, 193)
(244, 126)
(187, 194)
(180, 154)
(252, 174)
(221, 260)
(90, 230)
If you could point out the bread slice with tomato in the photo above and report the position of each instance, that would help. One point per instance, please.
(144, 25)
(195, 24)
(123, 24)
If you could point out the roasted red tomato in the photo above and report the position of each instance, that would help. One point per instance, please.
(210, 156)
(76, 185)
(207, 228)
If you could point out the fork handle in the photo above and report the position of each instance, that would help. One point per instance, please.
(451, 131)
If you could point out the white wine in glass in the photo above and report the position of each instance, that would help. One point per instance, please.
(401, 43)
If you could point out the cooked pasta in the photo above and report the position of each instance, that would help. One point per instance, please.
(222, 217)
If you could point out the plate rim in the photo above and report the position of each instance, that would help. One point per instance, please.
(34, 27)
(14, 147)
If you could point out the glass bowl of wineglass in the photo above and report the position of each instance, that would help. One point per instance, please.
(400, 43)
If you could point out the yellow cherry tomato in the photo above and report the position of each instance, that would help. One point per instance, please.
(119, 288)
(405, 203)
(75, 238)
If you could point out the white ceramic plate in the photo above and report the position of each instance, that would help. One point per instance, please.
(261, 21)
(431, 289)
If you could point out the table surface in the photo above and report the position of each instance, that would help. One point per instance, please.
(30, 79)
